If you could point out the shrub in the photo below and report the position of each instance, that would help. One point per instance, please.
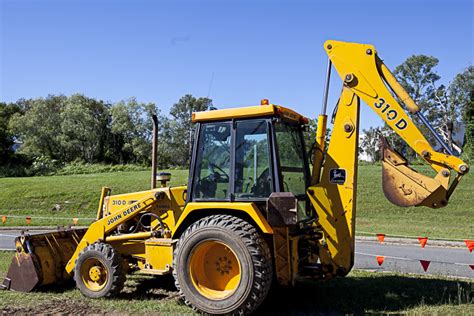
(79, 167)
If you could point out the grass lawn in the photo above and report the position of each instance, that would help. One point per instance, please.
(360, 292)
(78, 196)
(376, 214)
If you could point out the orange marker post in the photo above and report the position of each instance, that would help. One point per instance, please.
(4, 219)
(380, 260)
(469, 244)
(28, 220)
(423, 241)
(381, 238)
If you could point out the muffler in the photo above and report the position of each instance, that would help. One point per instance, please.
(40, 259)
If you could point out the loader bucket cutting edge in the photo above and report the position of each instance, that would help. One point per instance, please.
(40, 259)
(404, 186)
(22, 275)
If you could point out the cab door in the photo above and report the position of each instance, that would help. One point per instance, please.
(293, 169)
(252, 177)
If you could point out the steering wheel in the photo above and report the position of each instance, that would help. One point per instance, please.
(262, 187)
(221, 174)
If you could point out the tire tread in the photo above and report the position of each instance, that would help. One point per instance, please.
(258, 249)
(114, 259)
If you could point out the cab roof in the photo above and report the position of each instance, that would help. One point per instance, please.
(249, 112)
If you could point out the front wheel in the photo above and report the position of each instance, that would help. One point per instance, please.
(98, 271)
(222, 265)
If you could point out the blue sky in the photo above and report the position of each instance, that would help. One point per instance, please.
(158, 51)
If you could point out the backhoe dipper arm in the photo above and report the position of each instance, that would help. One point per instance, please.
(364, 72)
(334, 179)
(368, 77)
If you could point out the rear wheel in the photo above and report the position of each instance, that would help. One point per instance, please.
(222, 265)
(98, 271)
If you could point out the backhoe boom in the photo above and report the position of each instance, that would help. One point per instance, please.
(334, 178)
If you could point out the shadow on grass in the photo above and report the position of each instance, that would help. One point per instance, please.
(149, 287)
(369, 293)
(360, 293)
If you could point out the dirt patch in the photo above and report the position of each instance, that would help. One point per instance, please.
(53, 307)
(150, 287)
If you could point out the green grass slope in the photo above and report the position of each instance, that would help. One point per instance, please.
(78, 195)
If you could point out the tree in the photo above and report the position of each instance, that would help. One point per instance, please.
(418, 76)
(132, 127)
(84, 129)
(448, 114)
(6, 137)
(370, 143)
(38, 128)
(445, 107)
(461, 95)
(310, 137)
(181, 126)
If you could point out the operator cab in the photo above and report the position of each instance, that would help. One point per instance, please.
(245, 154)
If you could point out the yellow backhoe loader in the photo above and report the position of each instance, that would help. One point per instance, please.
(253, 211)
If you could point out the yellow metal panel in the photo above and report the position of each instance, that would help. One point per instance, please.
(246, 207)
(244, 112)
(135, 248)
(319, 148)
(159, 254)
(249, 112)
(335, 203)
(291, 115)
(100, 210)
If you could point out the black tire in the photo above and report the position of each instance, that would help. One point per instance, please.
(248, 247)
(109, 261)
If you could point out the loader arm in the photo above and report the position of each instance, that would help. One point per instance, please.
(99, 230)
(334, 178)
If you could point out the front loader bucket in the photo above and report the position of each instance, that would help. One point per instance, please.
(404, 186)
(41, 259)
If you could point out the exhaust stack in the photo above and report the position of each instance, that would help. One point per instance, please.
(154, 144)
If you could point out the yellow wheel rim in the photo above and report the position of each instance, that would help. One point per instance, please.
(214, 270)
(94, 274)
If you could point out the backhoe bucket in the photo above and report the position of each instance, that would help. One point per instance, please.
(404, 186)
(41, 259)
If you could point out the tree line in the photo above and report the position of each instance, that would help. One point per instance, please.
(39, 136)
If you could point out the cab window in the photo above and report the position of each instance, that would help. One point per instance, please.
(211, 178)
(293, 167)
(252, 177)
(292, 163)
